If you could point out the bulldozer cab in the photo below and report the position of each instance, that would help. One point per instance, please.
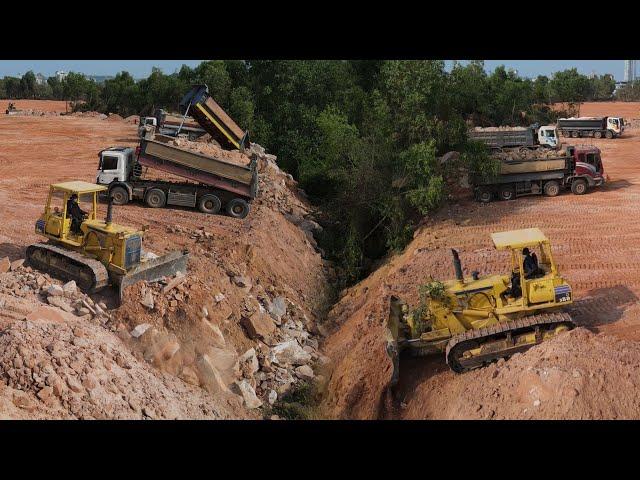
(536, 277)
(56, 220)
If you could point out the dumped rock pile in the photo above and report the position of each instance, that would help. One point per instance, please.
(20, 280)
(71, 369)
(280, 349)
(508, 154)
(213, 150)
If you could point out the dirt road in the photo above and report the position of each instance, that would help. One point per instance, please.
(595, 240)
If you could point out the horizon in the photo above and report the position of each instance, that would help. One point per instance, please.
(142, 68)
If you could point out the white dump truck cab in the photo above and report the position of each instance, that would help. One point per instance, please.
(616, 125)
(115, 165)
(548, 135)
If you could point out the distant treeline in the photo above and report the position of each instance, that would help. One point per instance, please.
(362, 137)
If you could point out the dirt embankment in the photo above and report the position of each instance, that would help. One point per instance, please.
(594, 241)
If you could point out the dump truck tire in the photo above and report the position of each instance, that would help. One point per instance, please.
(551, 189)
(608, 134)
(579, 186)
(209, 203)
(119, 195)
(155, 198)
(597, 134)
(237, 208)
(507, 192)
(485, 195)
(575, 134)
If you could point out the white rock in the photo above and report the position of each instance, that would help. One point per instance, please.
(305, 372)
(272, 397)
(290, 353)
(277, 308)
(70, 289)
(147, 300)
(219, 297)
(55, 291)
(140, 329)
(249, 394)
(217, 335)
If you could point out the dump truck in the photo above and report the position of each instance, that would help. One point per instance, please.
(476, 320)
(98, 253)
(170, 124)
(531, 137)
(212, 184)
(596, 127)
(576, 167)
(212, 118)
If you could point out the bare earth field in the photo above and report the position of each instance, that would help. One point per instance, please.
(596, 242)
(41, 105)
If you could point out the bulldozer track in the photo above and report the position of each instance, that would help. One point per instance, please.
(76, 264)
(472, 338)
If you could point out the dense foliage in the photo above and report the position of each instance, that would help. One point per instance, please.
(362, 137)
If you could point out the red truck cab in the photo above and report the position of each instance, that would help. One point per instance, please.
(587, 166)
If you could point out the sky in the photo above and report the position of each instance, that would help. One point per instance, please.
(142, 68)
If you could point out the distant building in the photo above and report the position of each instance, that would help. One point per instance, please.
(40, 79)
(629, 71)
(61, 75)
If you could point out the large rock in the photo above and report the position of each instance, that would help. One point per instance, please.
(16, 264)
(60, 302)
(147, 300)
(5, 265)
(277, 308)
(243, 282)
(289, 353)
(216, 333)
(140, 329)
(70, 289)
(209, 376)
(225, 362)
(304, 372)
(258, 326)
(55, 290)
(248, 394)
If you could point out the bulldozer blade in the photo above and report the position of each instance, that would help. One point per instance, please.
(153, 270)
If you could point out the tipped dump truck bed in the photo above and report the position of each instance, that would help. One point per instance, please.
(212, 118)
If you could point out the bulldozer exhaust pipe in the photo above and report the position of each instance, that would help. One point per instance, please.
(109, 218)
(457, 265)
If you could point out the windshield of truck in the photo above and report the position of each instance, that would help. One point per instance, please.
(108, 162)
(549, 133)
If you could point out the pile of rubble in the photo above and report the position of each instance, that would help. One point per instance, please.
(20, 280)
(213, 150)
(71, 369)
(509, 154)
(282, 342)
(34, 113)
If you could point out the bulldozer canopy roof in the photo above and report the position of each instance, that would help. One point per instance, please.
(518, 238)
(79, 187)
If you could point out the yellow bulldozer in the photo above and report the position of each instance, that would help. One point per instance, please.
(475, 321)
(95, 253)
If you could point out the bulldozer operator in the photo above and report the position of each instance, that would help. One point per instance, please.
(76, 213)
